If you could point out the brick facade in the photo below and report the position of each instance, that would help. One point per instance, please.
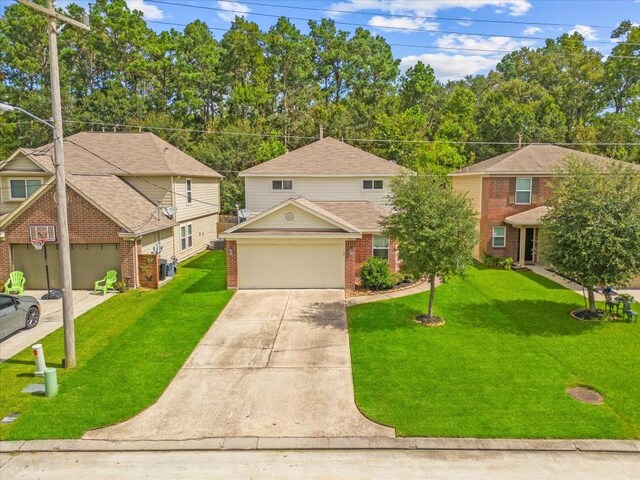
(496, 207)
(87, 225)
(232, 264)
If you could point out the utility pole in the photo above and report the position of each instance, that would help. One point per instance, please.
(61, 188)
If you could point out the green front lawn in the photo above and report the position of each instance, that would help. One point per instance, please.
(128, 350)
(500, 366)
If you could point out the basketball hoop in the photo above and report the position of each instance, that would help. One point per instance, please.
(38, 243)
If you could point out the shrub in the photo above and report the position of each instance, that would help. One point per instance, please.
(493, 261)
(120, 286)
(397, 278)
(375, 274)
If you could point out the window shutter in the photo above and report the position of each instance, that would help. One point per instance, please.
(535, 187)
(512, 191)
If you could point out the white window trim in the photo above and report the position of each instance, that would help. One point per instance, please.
(187, 236)
(530, 191)
(494, 236)
(373, 184)
(188, 186)
(373, 247)
(24, 179)
(281, 180)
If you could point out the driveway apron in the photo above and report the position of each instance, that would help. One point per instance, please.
(276, 363)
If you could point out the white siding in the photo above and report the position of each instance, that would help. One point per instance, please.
(154, 188)
(259, 195)
(205, 197)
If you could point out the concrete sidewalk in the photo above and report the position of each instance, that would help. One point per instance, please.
(50, 320)
(323, 443)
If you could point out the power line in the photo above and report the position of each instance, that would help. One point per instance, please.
(419, 17)
(352, 24)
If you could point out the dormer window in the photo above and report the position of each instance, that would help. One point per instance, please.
(20, 189)
(282, 185)
(372, 184)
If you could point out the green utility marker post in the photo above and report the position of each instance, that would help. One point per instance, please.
(50, 382)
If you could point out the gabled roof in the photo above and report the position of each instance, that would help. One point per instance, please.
(326, 157)
(364, 215)
(121, 154)
(112, 196)
(121, 202)
(341, 226)
(533, 159)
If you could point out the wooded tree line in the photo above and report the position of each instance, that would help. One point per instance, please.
(260, 93)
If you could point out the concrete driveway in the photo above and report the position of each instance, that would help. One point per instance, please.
(50, 320)
(275, 364)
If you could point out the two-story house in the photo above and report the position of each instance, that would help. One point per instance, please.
(509, 193)
(127, 193)
(315, 218)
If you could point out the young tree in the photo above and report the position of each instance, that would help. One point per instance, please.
(434, 226)
(592, 231)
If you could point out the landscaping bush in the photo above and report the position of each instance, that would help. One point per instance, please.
(397, 278)
(493, 261)
(375, 274)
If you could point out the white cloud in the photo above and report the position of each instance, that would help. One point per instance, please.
(462, 41)
(530, 31)
(232, 9)
(588, 33)
(392, 24)
(422, 7)
(451, 67)
(150, 12)
(465, 23)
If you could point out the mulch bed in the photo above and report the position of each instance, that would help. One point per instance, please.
(362, 292)
(585, 395)
(586, 315)
(429, 321)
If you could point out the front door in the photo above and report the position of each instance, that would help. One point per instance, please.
(529, 245)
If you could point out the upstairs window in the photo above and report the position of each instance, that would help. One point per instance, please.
(23, 188)
(523, 191)
(372, 184)
(189, 191)
(381, 246)
(282, 184)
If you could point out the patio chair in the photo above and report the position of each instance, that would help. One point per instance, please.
(15, 284)
(627, 313)
(106, 283)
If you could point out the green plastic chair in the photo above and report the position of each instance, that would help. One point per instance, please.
(15, 284)
(108, 281)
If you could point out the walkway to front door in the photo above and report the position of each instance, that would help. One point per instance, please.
(275, 364)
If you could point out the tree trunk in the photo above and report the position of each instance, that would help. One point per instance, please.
(432, 292)
(592, 300)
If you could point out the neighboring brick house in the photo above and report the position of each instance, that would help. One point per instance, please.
(118, 188)
(509, 193)
(315, 219)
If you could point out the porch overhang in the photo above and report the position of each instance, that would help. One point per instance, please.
(529, 218)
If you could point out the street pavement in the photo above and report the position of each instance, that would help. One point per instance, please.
(322, 464)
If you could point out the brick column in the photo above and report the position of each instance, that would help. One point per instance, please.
(394, 263)
(5, 261)
(350, 264)
(129, 250)
(232, 264)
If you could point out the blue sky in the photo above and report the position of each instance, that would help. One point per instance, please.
(449, 43)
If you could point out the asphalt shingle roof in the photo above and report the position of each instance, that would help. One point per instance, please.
(326, 157)
(124, 154)
(363, 215)
(532, 159)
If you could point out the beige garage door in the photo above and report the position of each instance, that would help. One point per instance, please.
(88, 264)
(303, 264)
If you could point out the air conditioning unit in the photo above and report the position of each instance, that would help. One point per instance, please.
(216, 244)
